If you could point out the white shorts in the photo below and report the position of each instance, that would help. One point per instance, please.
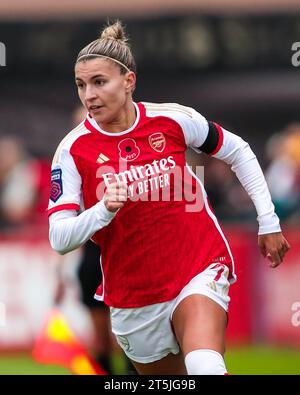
(145, 333)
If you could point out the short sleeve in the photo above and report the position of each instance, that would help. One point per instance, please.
(194, 127)
(202, 135)
(196, 133)
(65, 183)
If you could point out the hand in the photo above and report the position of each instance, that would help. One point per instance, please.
(274, 247)
(115, 196)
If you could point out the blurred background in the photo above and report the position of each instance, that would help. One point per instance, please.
(232, 61)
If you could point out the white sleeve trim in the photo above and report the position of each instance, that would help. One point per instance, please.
(69, 231)
(196, 135)
(195, 128)
(237, 153)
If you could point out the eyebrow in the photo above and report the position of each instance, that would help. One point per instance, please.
(95, 76)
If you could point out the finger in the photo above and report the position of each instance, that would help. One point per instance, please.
(120, 185)
(117, 187)
(121, 198)
(115, 190)
(287, 244)
(114, 206)
(117, 197)
(281, 253)
(274, 258)
(284, 249)
(123, 192)
(269, 257)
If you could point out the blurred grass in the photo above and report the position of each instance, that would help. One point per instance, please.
(247, 360)
(24, 364)
(263, 360)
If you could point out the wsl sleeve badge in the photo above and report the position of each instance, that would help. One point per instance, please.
(56, 185)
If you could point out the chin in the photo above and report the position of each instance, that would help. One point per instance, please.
(100, 118)
(103, 119)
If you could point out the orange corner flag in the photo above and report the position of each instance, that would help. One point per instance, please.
(57, 344)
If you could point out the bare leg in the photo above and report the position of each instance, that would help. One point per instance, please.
(200, 323)
(169, 365)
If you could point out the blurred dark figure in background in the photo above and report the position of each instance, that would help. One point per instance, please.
(283, 173)
(24, 186)
(229, 200)
(89, 274)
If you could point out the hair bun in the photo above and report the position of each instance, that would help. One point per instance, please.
(114, 32)
(111, 44)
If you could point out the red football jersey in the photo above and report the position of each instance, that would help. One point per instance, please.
(167, 232)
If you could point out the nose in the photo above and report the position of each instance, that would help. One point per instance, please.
(90, 93)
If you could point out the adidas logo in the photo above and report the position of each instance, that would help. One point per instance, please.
(102, 159)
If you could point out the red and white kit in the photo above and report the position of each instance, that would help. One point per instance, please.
(160, 239)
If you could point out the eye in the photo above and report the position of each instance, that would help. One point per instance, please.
(79, 85)
(100, 82)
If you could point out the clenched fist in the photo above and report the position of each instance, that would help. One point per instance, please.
(273, 246)
(115, 196)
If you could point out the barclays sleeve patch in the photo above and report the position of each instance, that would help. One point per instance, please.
(56, 185)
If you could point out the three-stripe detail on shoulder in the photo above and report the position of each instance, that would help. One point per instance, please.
(167, 107)
(74, 135)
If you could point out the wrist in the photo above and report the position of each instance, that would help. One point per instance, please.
(103, 213)
(269, 224)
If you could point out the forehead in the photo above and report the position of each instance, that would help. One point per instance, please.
(88, 68)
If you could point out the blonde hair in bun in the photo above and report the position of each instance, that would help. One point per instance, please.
(113, 45)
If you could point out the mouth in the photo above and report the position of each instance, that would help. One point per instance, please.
(94, 108)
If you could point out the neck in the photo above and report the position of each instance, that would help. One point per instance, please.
(124, 121)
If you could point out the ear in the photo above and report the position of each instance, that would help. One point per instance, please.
(130, 81)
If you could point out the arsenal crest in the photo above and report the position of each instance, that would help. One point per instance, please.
(157, 141)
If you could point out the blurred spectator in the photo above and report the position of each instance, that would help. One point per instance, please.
(283, 173)
(24, 185)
